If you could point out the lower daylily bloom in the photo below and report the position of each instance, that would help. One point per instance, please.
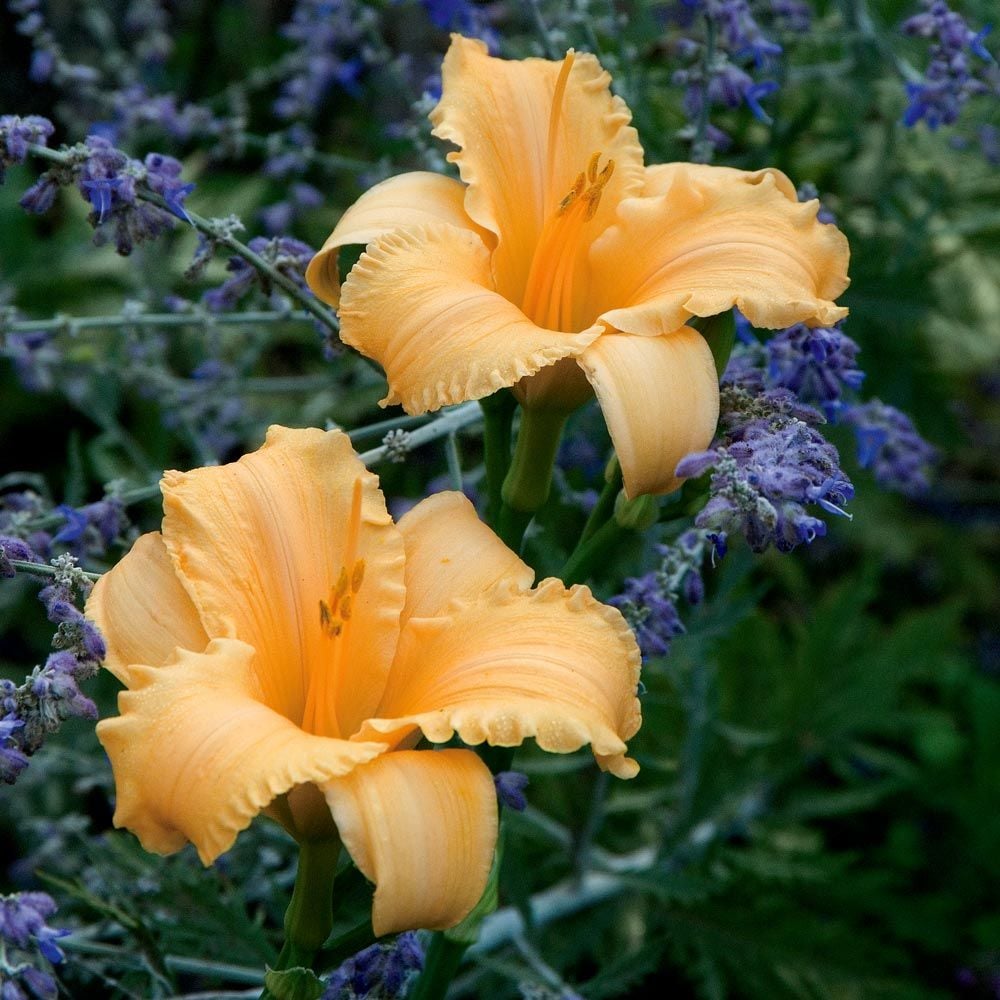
(284, 645)
(559, 263)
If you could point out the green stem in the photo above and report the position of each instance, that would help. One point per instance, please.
(498, 416)
(605, 506)
(309, 917)
(578, 566)
(440, 965)
(529, 478)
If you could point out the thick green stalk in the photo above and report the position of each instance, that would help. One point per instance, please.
(440, 965)
(498, 416)
(309, 917)
(529, 477)
(605, 506)
(584, 557)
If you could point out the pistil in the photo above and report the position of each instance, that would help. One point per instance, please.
(335, 618)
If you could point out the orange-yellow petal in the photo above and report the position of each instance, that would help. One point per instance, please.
(143, 611)
(524, 138)
(658, 177)
(420, 301)
(549, 663)
(405, 200)
(421, 825)
(714, 241)
(451, 554)
(660, 398)
(196, 755)
(259, 543)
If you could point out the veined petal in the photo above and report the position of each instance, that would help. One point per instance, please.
(706, 245)
(660, 398)
(550, 663)
(451, 554)
(659, 177)
(196, 755)
(524, 138)
(409, 199)
(423, 827)
(142, 610)
(420, 301)
(259, 543)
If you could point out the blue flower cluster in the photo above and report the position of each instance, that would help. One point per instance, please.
(510, 786)
(112, 182)
(51, 693)
(330, 52)
(649, 603)
(380, 972)
(960, 66)
(769, 465)
(87, 531)
(289, 256)
(17, 134)
(819, 366)
(28, 946)
(723, 59)
(889, 445)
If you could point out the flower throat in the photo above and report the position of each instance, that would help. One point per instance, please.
(548, 293)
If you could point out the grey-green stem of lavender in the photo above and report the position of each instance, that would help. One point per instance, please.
(701, 148)
(220, 235)
(73, 325)
(44, 569)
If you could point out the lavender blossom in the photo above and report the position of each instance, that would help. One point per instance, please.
(952, 76)
(890, 446)
(331, 51)
(288, 255)
(649, 603)
(17, 134)
(722, 66)
(769, 465)
(379, 972)
(510, 786)
(51, 692)
(28, 946)
(818, 364)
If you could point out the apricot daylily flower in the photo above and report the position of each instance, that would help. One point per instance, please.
(559, 260)
(284, 645)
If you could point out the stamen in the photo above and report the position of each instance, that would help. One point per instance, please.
(319, 715)
(555, 114)
(548, 292)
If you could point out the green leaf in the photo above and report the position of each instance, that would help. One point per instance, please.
(293, 984)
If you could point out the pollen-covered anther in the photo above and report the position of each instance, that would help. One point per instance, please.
(588, 187)
(336, 610)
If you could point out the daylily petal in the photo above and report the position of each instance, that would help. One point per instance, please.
(423, 827)
(421, 302)
(196, 755)
(405, 200)
(451, 554)
(660, 398)
(705, 246)
(550, 663)
(259, 543)
(659, 177)
(142, 610)
(499, 113)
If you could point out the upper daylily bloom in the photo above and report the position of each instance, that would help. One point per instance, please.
(284, 645)
(559, 260)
